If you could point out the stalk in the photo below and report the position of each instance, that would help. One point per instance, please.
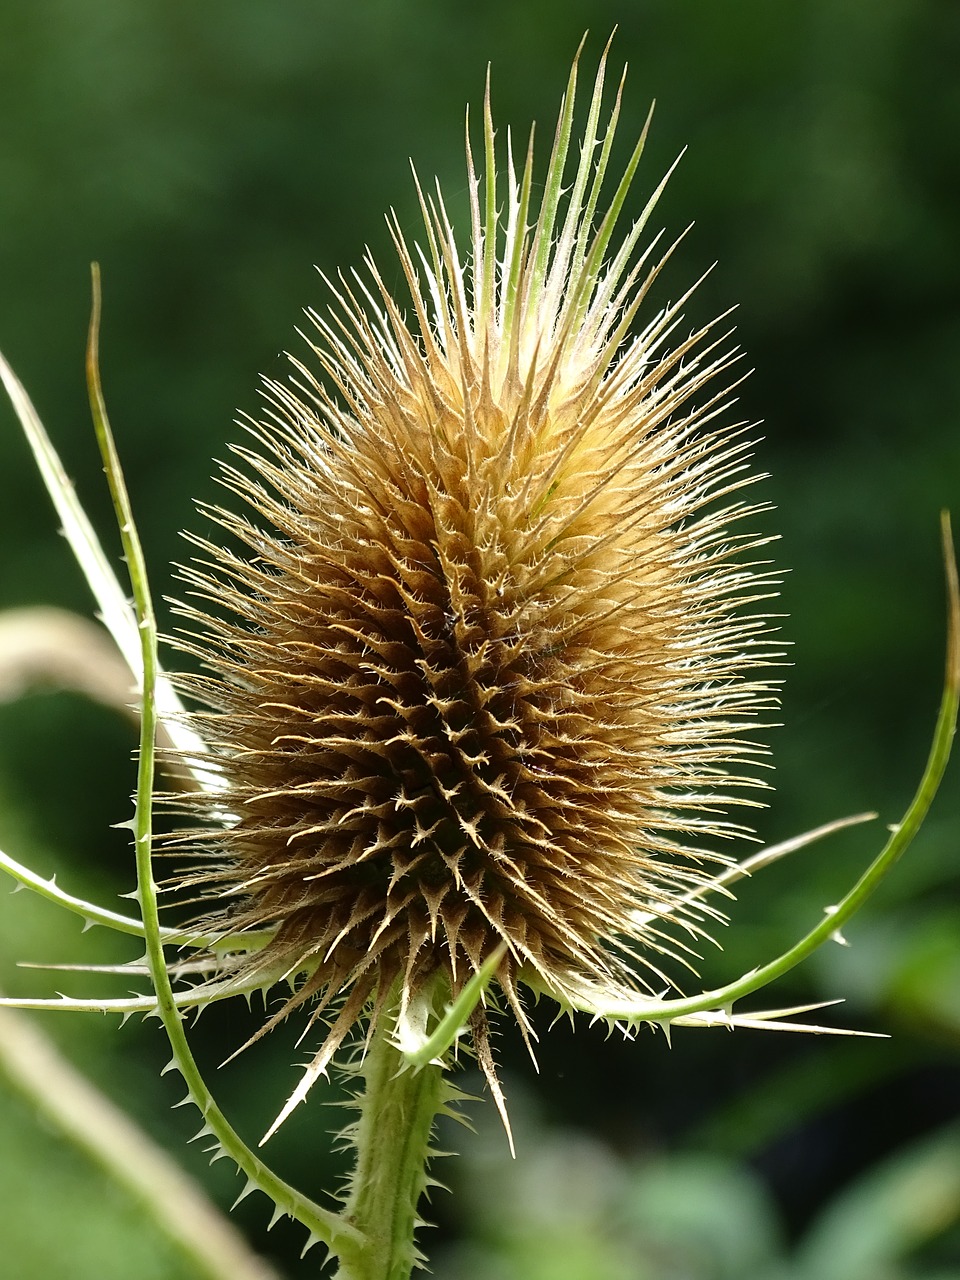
(398, 1106)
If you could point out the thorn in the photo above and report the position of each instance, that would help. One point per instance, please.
(170, 1066)
(278, 1213)
(837, 936)
(250, 1186)
(312, 1239)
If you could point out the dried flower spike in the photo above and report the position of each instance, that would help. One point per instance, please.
(488, 658)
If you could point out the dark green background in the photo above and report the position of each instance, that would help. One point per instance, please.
(208, 154)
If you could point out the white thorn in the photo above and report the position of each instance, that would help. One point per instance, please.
(312, 1239)
(249, 1186)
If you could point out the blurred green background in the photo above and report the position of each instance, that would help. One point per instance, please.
(208, 155)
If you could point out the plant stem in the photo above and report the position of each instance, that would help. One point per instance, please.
(322, 1224)
(398, 1106)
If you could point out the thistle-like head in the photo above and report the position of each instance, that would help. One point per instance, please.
(483, 679)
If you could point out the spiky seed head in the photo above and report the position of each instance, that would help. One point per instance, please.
(483, 671)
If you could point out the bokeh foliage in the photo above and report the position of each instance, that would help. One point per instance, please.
(207, 155)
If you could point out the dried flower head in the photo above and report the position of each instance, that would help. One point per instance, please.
(489, 654)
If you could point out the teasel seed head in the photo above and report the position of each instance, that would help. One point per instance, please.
(486, 669)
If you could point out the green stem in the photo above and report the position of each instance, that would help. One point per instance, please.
(398, 1106)
(320, 1222)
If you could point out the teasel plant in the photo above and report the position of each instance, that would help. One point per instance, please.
(480, 675)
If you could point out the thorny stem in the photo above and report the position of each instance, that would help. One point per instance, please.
(398, 1106)
(322, 1224)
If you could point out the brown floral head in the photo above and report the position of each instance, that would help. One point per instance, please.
(483, 677)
